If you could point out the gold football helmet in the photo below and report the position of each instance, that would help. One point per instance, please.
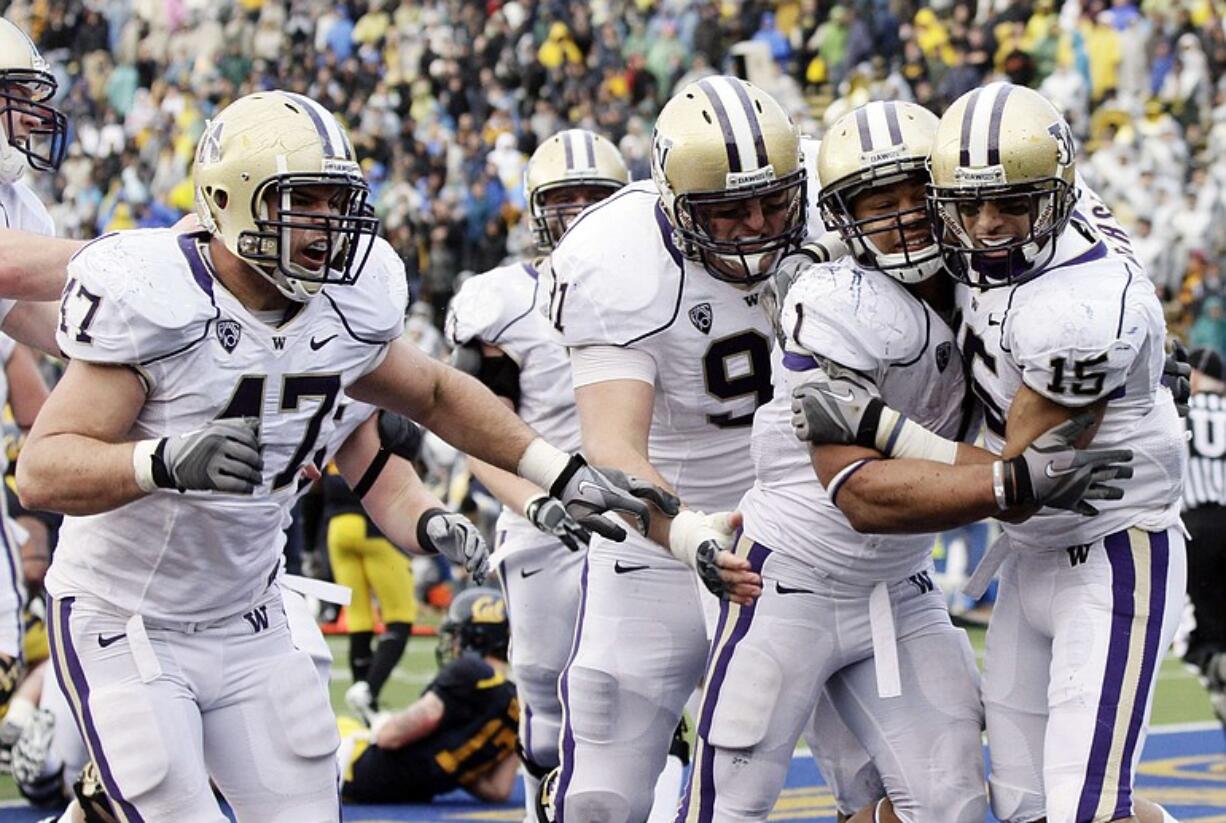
(726, 159)
(260, 150)
(1008, 146)
(576, 161)
(878, 144)
(31, 131)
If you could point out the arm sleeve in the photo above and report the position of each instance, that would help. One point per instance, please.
(598, 364)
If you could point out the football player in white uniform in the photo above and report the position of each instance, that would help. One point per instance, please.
(500, 334)
(655, 290)
(1060, 328)
(833, 600)
(222, 355)
(34, 134)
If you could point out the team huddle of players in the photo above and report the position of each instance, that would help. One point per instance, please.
(779, 354)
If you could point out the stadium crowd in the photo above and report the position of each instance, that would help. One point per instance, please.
(447, 99)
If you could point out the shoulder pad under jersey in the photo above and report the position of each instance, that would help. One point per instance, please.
(1076, 333)
(135, 297)
(616, 277)
(373, 308)
(488, 303)
(859, 319)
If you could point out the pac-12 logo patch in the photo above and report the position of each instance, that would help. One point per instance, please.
(702, 317)
(229, 332)
(944, 350)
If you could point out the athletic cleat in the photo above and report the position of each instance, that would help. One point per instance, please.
(361, 702)
(31, 749)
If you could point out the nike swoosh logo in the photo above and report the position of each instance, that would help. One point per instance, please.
(525, 574)
(621, 568)
(1054, 474)
(584, 485)
(106, 641)
(782, 589)
(842, 398)
(316, 345)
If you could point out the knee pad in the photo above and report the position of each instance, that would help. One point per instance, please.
(947, 804)
(592, 703)
(1013, 804)
(599, 807)
(745, 701)
(135, 751)
(293, 698)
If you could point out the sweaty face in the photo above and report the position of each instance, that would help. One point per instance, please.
(894, 216)
(996, 222)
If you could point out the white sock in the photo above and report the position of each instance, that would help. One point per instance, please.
(668, 791)
(20, 711)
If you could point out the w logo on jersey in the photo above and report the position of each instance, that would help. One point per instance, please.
(922, 582)
(229, 332)
(702, 317)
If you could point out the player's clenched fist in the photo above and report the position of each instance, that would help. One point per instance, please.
(222, 456)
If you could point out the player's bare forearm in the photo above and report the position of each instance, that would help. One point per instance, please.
(420, 719)
(615, 417)
(34, 325)
(32, 266)
(916, 496)
(449, 403)
(76, 460)
(510, 489)
(397, 498)
(1031, 414)
(75, 475)
(27, 389)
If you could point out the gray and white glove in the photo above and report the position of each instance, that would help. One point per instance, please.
(550, 516)
(222, 456)
(1177, 376)
(822, 250)
(836, 410)
(587, 492)
(1051, 472)
(456, 538)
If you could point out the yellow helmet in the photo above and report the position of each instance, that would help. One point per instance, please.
(725, 151)
(876, 145)
(26, 84)
(259, 149)
(1008, 145)
(571, 159)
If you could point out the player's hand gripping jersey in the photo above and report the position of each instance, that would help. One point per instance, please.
(864, 320)
(709, 342)
(147, 300)
(1089, 328)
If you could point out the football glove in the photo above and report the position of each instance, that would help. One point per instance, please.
(222, 456)
(1177, 376)
(550, 516)
(456, 538)
(696, 539)
(836, 408)
(587, 491)
(1051, 472)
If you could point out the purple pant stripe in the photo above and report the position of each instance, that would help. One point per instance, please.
(71, 666)
(11, 582)
(567, 755)
(706, 798)
(1159, 560)
(1123, 581)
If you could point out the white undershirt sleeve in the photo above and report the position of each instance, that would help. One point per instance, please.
(597, 364)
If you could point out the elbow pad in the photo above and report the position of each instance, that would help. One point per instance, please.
(400, 435)
(498, 373)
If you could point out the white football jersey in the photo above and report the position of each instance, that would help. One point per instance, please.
(21, 209)
(147, 299)
(505, 307)
(1090, 327)
(867, 321)
(617, 279)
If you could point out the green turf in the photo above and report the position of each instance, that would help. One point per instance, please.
(1180, 698)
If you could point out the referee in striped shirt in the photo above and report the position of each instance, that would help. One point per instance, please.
(1204, 503)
